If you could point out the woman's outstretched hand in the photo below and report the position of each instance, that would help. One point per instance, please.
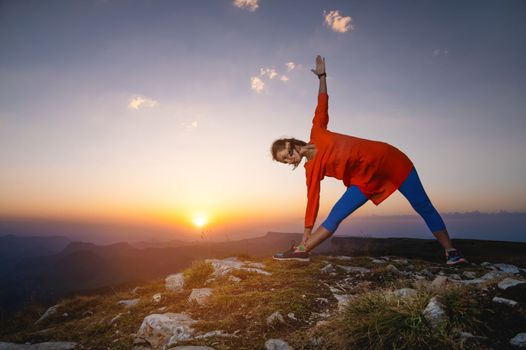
(320, 66)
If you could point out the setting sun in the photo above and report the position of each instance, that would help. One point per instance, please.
(200, 220)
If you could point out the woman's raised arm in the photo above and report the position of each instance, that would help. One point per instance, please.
(320, 72)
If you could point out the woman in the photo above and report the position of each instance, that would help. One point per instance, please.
(370, 170)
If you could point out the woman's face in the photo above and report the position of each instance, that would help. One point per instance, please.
(289, 155)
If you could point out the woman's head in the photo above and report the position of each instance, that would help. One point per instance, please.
(287, 151)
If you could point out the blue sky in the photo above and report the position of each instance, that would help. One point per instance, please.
(441, 80)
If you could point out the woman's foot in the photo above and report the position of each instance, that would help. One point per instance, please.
(454, 257)
(292, 254)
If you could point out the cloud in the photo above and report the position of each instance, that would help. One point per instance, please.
(269, 72)
(257, 84)
(284, 78)
(337, 22)
(438, 52)
(290, 66)
(137, 102)
(251, 5)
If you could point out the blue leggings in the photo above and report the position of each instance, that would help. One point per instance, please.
(411, 188)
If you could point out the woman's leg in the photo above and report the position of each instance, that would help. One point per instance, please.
(351, 200)
(413, 190)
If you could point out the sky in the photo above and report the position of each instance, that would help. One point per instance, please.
(160, 114)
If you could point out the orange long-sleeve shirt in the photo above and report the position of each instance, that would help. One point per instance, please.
(377, 168)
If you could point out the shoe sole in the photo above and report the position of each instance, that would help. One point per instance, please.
(459, 261)
(295, 259)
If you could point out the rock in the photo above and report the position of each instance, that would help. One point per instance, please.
(343, 300)
(467, 335)
(469, 274)
(440, 283)
(277, 344)
(519, 340)
(115, 319)
(191, 347)
(234, 279)
(401, 261)
(292, 316)
(354, 269)
(276, 317)
(393, 269)
(174, 283)
(455, 277)
(128, 303)
(509, 283)
(342, 257)
(200, 295)
(257, 265)
(377, 261)
(488, 265)
(508, 302)
(434, 312)
(405, 293)
(157, 298)
(56, 345)
(160, 330)
(87, 313)
(507, 268)
(428, 274)
(327, 269)
(223, 267)
(49, 312)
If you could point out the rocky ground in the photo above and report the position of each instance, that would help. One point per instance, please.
(333, 302)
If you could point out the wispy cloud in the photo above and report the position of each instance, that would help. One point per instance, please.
(137, 102)
(440, 52)
(269, 72)
(338, 22)
(284, 78)
(251, 5)
(257, 84)
(290, 66)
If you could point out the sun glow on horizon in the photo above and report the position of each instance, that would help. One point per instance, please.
(200, 220)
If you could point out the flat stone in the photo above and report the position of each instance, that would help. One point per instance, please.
(277, 344)
(342, 257)
(441, 282)
(434, 312)
(223, 267)
(161, 330)
(405, 293)
(234, 279)
(509, 283)
(327, 269)
(519, 340)
(128, 303)
(343, 300)
(354, 269)
(276, 317)
(401, 261)
(508, 302)
(508, 268)
(191, 347)
(200, 295)
(378, 261)
(175, 282)
(55, 345)
(469, 274)
(49, 312)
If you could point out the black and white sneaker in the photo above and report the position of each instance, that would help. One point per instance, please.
(292, 254)
(454, 257)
